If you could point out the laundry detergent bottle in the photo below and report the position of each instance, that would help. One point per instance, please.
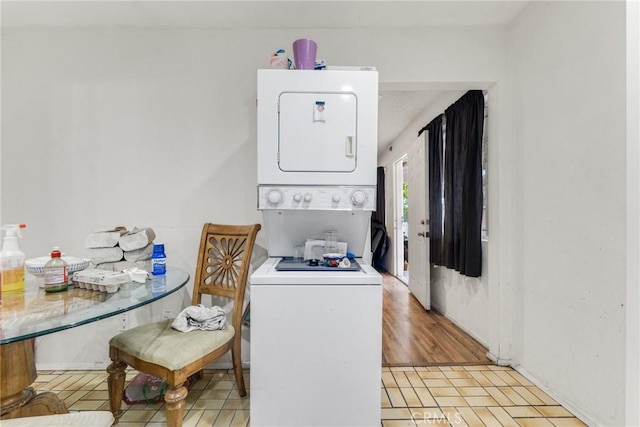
(11, 259)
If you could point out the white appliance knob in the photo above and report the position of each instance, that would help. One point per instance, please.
(308, 197)
(358, 198)
(274, 197)
(297, 197)
(335, 198)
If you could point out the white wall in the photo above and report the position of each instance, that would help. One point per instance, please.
(153, 127)
(568, 68)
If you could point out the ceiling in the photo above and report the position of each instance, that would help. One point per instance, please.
(397, 108)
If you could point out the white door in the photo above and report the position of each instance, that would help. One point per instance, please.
(419, 266)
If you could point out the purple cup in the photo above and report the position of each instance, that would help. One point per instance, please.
(304, 54)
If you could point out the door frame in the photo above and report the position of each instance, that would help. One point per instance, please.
(398, 236)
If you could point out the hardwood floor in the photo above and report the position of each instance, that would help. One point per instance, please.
(412, 336)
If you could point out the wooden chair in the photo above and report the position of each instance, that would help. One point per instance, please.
(158, 349)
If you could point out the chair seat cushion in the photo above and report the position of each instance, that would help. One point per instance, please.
(160, 344)
(80, 419)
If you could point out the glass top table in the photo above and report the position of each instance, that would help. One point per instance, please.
(33, 312)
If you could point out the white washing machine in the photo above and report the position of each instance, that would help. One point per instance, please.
(316, 330)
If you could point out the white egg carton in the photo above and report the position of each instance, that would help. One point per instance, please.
(101, 280)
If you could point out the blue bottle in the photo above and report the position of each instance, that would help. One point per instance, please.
(158, 260)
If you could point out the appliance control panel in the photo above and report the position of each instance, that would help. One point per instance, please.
(298, 197)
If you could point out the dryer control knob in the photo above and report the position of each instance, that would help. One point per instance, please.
(335, 198)
(297, 197)
(274, 197)
(359, 198)
(308, 197)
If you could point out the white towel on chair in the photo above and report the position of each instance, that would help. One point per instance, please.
(199, 317)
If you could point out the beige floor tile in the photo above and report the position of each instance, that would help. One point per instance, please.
(396, 398)
(477, 368)
(522, 411)
(457, 374)
(97, 395)
(437, 382)
(430, 375)
(419, 414)
(499, 396)
(481, 401)
(464, 382)
(444, 391)
(388, 380)
(487, 417)
(136, 416)
(444, 368)
(414, 379)
(481, 379)
(241, 418)
(426, 398)
(495, 379)
(472, 391)
(520, 378)
(402, 369)
(192, 418)
(470, 417)
(214, 394)
(507, 378)
(401, 379)
(566, 422)
(207, 417)
(396, 414)
(224, 419)
(526, 394)
(208, 404)
(534, 422)
(553, 411)
(236, 404)
(450, 401)
(502, 416)
(410, 396)
(513, 396)
(85, 405)
(384, 399)
(548, 400)
(452, 415)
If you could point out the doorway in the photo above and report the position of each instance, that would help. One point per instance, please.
(401, 219)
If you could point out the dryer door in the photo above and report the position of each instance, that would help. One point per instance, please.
(317, 132)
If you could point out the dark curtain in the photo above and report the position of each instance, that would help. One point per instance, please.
(463, 184)
(379, 214)
(435, 147)
(379, 237)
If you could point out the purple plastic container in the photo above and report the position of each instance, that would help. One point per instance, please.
(304, 54)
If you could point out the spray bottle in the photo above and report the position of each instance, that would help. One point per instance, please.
(11, 259)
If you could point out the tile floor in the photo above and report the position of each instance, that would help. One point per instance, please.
(483, 395)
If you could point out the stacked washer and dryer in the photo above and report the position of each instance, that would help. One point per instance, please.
(316, 331)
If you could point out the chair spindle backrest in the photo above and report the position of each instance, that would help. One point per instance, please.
(223, 263)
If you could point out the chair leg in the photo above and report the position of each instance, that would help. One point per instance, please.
(174, 398)
(115, 384)
(237, 368)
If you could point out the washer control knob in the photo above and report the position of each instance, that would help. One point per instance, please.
(274, 197)
(297, 197)
(359, 198)
(308, 197)
(335, 198)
